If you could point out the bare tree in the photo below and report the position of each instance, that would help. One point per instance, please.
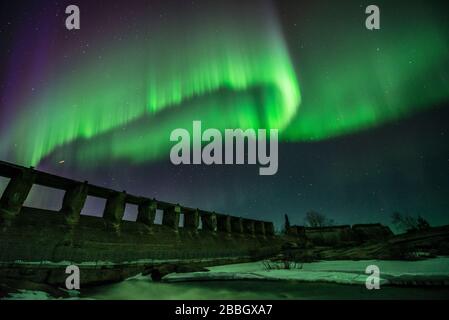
(409, 223)
(396, 218)
(317, 220)
(286, 224)
(422, 223)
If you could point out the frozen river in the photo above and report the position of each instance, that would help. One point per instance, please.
(318, 280)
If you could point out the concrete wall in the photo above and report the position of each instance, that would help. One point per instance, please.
(39, 235)
(329, 235)
(371, 232)
(336, 235)
(30, 234)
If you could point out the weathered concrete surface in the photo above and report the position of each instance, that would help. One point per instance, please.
(209, 222)
(192, 220)
(98, 272)
(248, 227)
(340, 235)
(329, 235)
(114, 211)
(269, 229)
(73, 203)
(412, 246)
(224, 223)
(15, 195)
(36, 236)
(371, 232)
(30, 237)
(237, 225)
(171, 217)
(259, 227)
(147, 212)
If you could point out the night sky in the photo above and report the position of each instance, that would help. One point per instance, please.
(363, 115)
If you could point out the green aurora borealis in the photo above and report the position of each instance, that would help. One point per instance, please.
(144, 78)
(353, 79)
(228, 68)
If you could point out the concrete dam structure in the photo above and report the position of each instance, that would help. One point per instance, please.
(37, 244)
(337, 235)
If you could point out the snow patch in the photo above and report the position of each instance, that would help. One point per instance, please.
(341, 272)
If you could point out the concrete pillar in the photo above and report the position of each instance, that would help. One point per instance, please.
(15, 195)
(147, 212)
(224, 223)
(269, 228)
(192, 220)
(171, 217)
(114, 211)
(259, 227)
(248, 227)
(237, 225)
(209, 221)
(73, 203)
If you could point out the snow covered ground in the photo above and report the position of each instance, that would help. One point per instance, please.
(29, 295)
(318, 280)
(432, 271)
(39, 295)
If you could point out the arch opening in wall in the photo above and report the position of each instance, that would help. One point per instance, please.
(131, 211)
(3, 184)
(159, 216)
(94, 207)
(46, 198)
(181, 220)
